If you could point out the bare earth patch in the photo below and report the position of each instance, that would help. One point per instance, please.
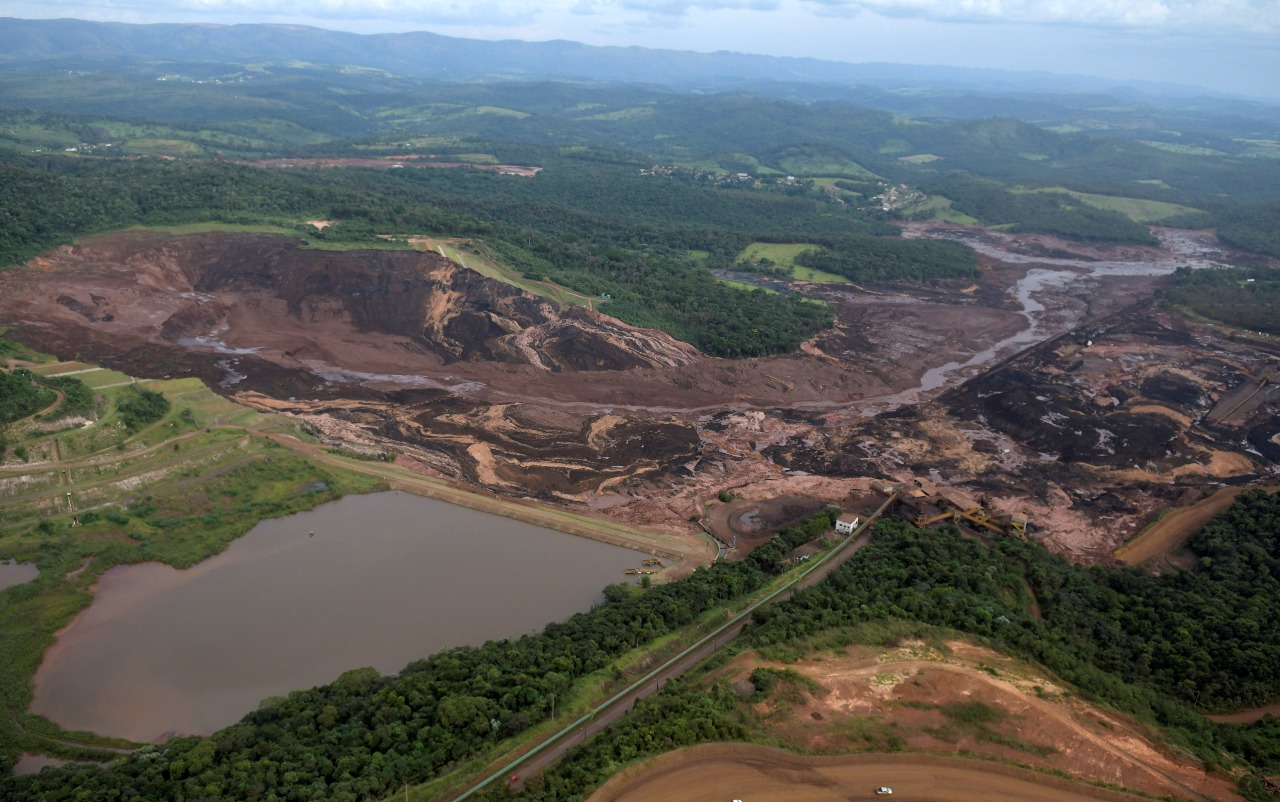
(920, 695)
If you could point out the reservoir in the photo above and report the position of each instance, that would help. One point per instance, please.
(384, 580)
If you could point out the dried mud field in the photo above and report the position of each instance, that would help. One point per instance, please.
(1055, 386)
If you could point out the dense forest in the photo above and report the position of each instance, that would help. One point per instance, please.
(868, 259)
(1203, 636)
(1045, 212)
(23, 394)
(365, 735)
(1254, 227)
(1155, 647)
(138, 406)
(1241, 297)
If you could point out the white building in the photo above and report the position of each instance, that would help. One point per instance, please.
(846, 523)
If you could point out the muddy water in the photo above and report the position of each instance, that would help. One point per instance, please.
(16, 573)
(384, 580)
(29, 763)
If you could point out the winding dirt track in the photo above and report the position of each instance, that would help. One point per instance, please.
(1169, 533)
(725, 772)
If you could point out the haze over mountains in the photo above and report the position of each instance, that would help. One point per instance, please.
(80, 44)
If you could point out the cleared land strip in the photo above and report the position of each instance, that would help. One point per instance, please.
(1167, 535)
(763, 774)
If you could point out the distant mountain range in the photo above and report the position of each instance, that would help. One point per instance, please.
(80, 44)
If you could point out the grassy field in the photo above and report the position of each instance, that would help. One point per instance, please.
(939, 208)
(919, 158)
(1187, 150)
(829, 184)
(623, 114)
(473, 255)
(806, 164)
(205, 228)
(1138, 210)
(783, 255)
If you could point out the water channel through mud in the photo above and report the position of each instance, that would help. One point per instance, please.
(1056, 275)
(385, 579)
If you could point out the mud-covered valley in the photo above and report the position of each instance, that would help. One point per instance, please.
(1057, 386)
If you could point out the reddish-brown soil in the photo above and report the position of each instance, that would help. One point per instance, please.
(475, 380)
(1167, 535)
(918, 695)
(758, 774)
(1247, 716)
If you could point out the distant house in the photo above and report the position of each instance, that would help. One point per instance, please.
(846, 523)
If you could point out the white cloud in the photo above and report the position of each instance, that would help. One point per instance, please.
(1244, 16)
(416, 12)
(1256, 16)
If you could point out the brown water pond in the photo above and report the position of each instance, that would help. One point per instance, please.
(376, 580)
(16, 573)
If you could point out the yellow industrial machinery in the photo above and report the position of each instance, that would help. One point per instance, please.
(922, 521)
(1014, 526)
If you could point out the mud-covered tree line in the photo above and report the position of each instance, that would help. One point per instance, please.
(365, 735)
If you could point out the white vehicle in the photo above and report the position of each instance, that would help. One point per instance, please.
(884, 790)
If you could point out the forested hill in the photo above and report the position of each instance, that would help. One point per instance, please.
(1152, 646)
(646, 242)
(80, 42)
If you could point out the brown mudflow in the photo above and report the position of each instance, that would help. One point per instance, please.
(1108, 419)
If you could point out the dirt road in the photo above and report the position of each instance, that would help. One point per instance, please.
(760, 774)
(1169, 533)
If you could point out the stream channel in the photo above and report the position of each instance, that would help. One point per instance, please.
(378, 580)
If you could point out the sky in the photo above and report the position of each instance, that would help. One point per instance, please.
(1230, 46)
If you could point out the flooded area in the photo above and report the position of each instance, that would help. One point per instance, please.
(376, 580)
(30, 763)
(16, 573)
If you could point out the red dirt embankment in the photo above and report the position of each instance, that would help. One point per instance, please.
(760, 774)
(1168, 534)
(959, 699)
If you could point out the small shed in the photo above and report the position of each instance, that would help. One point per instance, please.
(846, 523)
